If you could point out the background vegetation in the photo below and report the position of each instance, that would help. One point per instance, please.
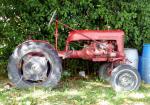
(20, 19)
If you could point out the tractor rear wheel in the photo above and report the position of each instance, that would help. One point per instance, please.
(34, 63)
(125, 78)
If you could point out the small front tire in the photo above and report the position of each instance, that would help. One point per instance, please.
(125, 78)
(104, 71)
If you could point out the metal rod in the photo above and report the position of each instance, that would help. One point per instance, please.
(56, 35)
(74, 30)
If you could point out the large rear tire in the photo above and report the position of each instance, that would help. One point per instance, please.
(125, 78)
(34, 63)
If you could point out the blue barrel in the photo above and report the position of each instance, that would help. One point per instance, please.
(146, 63)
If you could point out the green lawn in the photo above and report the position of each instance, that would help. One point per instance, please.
(73, 91)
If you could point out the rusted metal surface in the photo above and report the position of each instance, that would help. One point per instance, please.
(108, 45)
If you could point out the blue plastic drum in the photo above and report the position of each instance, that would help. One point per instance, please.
(146, 63)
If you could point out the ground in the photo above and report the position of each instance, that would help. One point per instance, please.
(73, 91)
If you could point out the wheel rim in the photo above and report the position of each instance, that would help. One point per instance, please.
(35, 68)
(127, 80)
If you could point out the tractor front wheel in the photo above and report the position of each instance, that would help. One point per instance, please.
(125, 78)
(34, 63)
(104, 71)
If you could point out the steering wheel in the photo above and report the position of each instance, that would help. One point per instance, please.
(52, 18)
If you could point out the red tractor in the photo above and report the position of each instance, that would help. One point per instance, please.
(38, 63)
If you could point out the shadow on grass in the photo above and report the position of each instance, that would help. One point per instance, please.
(76, 91)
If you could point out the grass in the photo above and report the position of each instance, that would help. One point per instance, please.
(73, 91)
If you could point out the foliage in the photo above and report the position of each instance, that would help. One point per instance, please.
(20, 19)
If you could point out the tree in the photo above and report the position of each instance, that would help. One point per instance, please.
(21, 18)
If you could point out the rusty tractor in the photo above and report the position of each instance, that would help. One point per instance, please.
(38, 63)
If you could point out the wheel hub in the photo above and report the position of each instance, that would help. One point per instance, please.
(35, 68)
(126, 79)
